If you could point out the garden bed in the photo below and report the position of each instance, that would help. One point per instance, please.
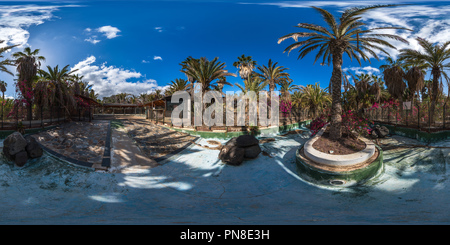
(343, 146)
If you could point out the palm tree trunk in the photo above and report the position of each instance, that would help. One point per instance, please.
(435, 91)
(3, 103)
(336, 107)
(269, 108)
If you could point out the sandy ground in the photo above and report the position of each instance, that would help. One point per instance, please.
(196, 188)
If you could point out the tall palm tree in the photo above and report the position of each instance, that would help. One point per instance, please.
(415, 78)
(435, 57)
(58, 86)
(255, 84)
(394, 74)
(188, 63)
(339, 37)
(273, 74)
(28, 63)
(178, 85)
(205, 72)
(245, 65)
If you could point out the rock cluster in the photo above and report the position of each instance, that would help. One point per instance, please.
(237, 149)
(19, 149)
(379, 132)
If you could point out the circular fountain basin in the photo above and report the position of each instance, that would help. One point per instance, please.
(338, 170)
(338, 160)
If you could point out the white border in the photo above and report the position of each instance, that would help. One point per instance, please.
(338, 160)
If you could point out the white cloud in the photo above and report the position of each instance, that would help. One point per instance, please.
(145, 61)
(360, 70)
(109, 80)
(15, 19)
(92, 40)
(308, 4)
(157, 57)
(109, 31)
(158, 29)
(427, 21)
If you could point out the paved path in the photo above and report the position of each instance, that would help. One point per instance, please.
(126, 157)
(195, 188)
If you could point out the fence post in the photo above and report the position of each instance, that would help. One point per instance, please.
(429, 117)
(406, 117)
(42, 116)
(17, 116)
(418, 115)
(443, 117)
(389, 114)
(396, 115)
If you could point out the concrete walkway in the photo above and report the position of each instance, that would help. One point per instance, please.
(126, 157)
(195, 188)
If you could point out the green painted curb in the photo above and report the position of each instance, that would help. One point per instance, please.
(348, 178)
(419, 135)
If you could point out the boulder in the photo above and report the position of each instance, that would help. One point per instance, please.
(381, 131)
(21, 158)
(15, 143)
(33, 148)
(252, 151)
(232, 155)
(246, 141)
(232, 141)
(6, 153)
(373, 134)
(19, 149)
(238, 148)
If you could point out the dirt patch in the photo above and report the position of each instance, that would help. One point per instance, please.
(154, 140)
(345, 145)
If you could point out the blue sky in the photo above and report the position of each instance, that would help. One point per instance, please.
(137, 46)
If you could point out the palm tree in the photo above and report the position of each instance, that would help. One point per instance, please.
(345, 36)
(252, 83)
(178, 85)
(221, 82)
(28, 63)
(6, 62)
(189, 62)
(245, 66)
(92, 94)
(205, 72)
(394, 74)
(435, 57)
(273, 74)
(57, 82)
(286, 87)
(311, 97)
